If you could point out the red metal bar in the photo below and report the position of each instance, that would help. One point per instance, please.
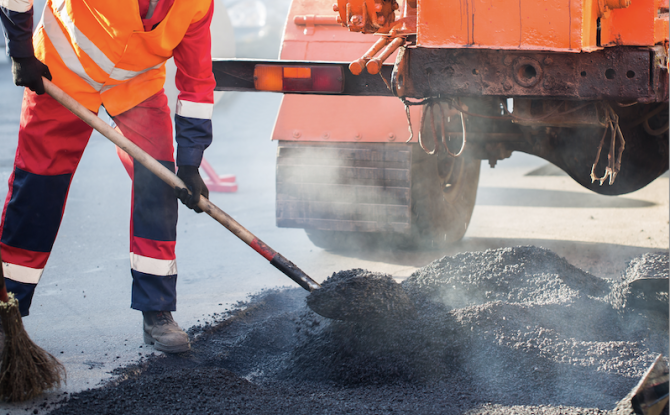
(218, 183)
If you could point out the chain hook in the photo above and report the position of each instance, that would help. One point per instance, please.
(613, 163)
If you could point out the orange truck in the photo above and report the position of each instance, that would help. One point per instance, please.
(389, 108)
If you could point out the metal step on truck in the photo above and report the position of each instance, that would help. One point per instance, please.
(389, 108)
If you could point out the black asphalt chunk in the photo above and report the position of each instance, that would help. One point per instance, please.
(505, 331)
(360, 295)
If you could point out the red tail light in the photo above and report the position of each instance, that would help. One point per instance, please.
(279, 78)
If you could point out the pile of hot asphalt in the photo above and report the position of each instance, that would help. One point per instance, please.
(506, 331)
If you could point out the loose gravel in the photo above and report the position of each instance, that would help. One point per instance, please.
(505, 331)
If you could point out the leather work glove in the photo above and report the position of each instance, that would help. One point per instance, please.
(191, 178)
(28, 72)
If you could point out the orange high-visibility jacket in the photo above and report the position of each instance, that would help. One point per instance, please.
(98, 52)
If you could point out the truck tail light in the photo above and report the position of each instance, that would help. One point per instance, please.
(318, 78)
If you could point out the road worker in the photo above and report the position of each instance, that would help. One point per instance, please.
(109, 54)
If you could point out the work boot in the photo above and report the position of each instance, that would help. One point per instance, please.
(162, 331)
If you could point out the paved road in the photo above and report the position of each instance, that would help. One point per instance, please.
(81, 310)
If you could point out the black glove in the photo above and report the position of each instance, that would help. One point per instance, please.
(191, 178)
(28, 72)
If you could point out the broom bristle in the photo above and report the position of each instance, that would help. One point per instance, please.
(27, 370)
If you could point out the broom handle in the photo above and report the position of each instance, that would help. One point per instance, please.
(275, 258)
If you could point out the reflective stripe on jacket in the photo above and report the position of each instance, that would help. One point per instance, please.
(98, 52)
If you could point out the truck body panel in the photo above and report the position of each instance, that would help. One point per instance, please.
(333, 118)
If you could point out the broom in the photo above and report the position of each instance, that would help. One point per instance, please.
(26, 370)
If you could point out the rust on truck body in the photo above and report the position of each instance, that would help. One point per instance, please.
(618, 73)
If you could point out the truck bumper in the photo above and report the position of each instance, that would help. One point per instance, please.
(621, 73)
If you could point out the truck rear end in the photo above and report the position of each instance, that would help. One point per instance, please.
(382, 127)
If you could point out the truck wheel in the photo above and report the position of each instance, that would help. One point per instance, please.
(444, 190)
(645, 156)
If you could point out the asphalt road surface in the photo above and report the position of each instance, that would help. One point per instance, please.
(81, 310)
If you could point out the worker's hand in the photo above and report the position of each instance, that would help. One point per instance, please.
(191, 178)
(28, 72)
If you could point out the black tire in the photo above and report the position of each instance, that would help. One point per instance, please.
(444, 190)
(645, 156)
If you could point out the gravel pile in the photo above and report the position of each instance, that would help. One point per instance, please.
(506, 331)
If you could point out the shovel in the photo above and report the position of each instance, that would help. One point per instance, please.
(275, 258)
(375, 297)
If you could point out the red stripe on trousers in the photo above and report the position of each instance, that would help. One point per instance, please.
(153, 249)
(18, 256)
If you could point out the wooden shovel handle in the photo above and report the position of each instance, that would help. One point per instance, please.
(275, 258)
